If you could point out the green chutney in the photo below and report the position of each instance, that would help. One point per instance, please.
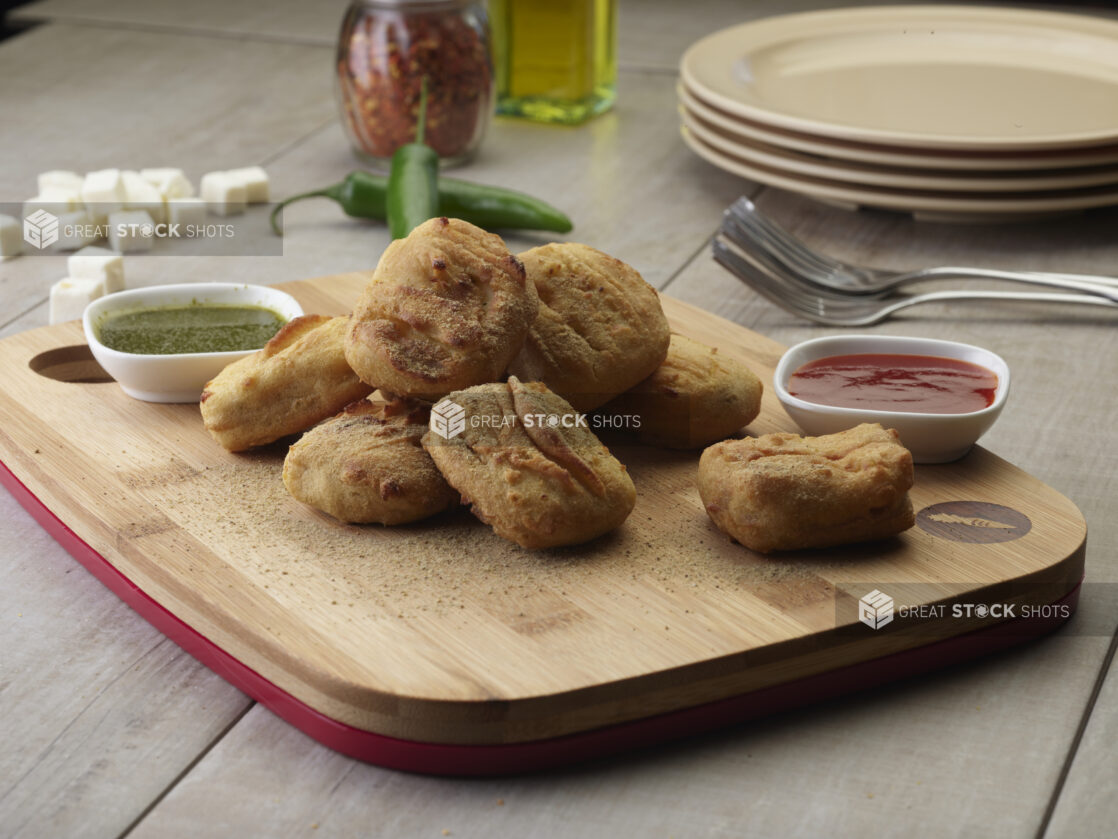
(191, 328)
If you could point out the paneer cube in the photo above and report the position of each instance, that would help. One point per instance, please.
(131, 230)
(171, 183)
(255, 181)
(11, 237)
(94, 263)
(54, 200)
(75, 230)
(224, 196)
(103, 191)
(61, 178)
(141, 195)
(185, 213)
(70, 296)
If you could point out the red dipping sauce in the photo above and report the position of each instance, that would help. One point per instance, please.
(922, 384)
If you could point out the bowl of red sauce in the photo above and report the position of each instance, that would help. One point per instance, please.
(940, 396)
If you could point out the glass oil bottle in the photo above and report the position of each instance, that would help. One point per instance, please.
(555, 60)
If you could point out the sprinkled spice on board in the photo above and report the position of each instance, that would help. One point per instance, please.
(384, 52)
(193, 328)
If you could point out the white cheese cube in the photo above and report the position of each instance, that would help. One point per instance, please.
(54, 200)
(255, 181)
(172, 183)
(70, 181)
(103, 191)
(11, 237)
(183, 213)
(224, 196)
(99, 215)
(75, 230)
(131, 230)
(93, 263)
(141, 195)
(70, 296)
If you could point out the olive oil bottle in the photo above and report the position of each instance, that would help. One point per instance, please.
(554, 60)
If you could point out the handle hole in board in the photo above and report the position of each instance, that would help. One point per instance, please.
(74, 364)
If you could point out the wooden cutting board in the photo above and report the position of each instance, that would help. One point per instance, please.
(441, 632)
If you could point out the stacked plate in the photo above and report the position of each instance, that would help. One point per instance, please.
(970, 113)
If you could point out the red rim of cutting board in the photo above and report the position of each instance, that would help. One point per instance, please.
(508, 758)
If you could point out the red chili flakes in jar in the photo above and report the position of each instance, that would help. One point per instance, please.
(384, 51)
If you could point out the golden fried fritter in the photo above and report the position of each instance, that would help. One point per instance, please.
(367, 465)
(538, 482)
(783, 491)
(696, 397)
(448, 307)
(298, 378)
(600, 328)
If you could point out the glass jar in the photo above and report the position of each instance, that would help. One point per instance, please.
(556, 60)
(385, 49)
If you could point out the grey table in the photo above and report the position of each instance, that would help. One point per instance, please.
(109, 729)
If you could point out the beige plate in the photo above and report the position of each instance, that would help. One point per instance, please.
(928, 204)
(926, 76)
(861, 174)
(951, 160)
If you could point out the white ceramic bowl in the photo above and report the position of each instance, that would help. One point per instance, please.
(177, 377)
(932, 438)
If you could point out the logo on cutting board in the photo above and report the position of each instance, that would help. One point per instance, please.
(40, 229)
(875, 610)
(448, 419)
(977, 522)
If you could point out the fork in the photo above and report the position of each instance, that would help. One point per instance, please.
(789, 292)
(752, 231)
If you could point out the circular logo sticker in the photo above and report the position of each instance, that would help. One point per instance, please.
(978, 522)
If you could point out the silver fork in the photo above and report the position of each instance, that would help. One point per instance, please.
(752, 231)
(837, 309)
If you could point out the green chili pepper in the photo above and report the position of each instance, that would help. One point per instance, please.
(406, 194)
(363, 195)
(492, 208)
(413, 181)
(360, 195)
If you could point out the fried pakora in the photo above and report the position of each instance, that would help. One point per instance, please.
(697, 396)
(299, 378)
(447, 307)
(528, 467)
(784, 492)
(600, 327)
(367, 465)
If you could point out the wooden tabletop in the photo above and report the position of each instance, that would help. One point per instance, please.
(110, 730)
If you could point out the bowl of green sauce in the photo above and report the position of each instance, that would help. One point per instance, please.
(163, 343)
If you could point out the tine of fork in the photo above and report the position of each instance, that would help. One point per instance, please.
(786, 275)
(795, 302)
(746, 213)
(797, 297)
(777, 254)
(757, 243)
(743, 271)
